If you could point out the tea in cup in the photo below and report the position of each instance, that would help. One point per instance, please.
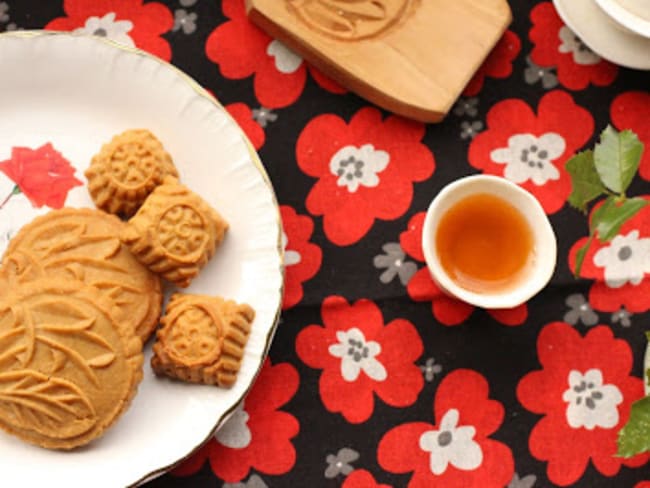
(488, 242)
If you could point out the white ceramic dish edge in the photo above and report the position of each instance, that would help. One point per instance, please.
(604, 36)
(625, 18)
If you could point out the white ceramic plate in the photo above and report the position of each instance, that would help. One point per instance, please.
(77, 92)
(604, 36)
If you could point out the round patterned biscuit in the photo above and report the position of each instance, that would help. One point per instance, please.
(68, 369)
(126, 171)
(84, 245)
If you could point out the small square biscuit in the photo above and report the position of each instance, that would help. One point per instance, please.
(126, 170)
(174, 233)
(202, 339)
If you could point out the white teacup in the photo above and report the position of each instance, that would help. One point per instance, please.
(544, 250)
(633, 15)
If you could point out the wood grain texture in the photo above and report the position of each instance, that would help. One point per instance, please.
(412, 57)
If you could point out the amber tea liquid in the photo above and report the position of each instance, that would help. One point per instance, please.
(484, 244)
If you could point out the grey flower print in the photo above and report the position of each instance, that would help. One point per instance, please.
(253, 482)
(340, 463)
(534, 73)
(395, 264)
(571, 43)
(468, 130)
(4, 8)
(525, 482)
(623, 317)
(430, 369)
(466, 106)
(579, 311)
(185, 20)
(264, 115)
(187, 3)
(12, 27)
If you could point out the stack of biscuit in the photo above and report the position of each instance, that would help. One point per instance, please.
(82, 293)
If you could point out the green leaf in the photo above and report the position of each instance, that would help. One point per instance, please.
(16, 190)
(584, 179)
(608, 219)
(617, 157)
(580, 256)
(634, 437)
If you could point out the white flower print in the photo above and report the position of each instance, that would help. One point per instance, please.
(286, 61)
(235, 433)
(107, 26)
(356, 355)
(358, 166)
(530, 158)
(452, 444)
(591, 403)
(290, 257)
(626, 259)
(573, 44)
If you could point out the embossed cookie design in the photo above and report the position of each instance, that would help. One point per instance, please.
(202, 339)
(68, 368)
(126, 171)
(350, 20)
(175, 232)
(84, 245)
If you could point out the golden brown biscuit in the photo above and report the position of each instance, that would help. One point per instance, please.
(126, 170)
(84, 245)
(68, 369)
(175, 232)
(202, 339)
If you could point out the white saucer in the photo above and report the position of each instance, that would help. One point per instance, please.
(603, 35)
(632, 22)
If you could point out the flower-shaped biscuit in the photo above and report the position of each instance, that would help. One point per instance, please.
(127, 170)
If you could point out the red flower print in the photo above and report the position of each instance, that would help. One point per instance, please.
(258, 435)
(360, 356)
(241, 49)
(43, 175)
(302, 259)
(556, 45)
(584, 392)
(620, 267)
(244, 117)
(129, 22)
(454, 451)
(498, 64)
(531, 149)
(361, 479)
(630, 111)
(365, 170)
(421, 288)
(642, 484)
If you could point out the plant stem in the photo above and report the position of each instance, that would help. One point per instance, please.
(15, 191)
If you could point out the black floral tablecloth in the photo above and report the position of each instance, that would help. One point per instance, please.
(375, 378)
